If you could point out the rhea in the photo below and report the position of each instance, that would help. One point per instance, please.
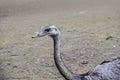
(107, 70)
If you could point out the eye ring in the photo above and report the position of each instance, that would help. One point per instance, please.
(47, 30)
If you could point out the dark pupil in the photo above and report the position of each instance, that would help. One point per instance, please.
(47, 30)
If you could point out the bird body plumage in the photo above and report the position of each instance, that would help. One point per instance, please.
(107, 70)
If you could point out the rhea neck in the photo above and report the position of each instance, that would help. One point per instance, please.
(66, 73)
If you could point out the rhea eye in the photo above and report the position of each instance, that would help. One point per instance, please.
(47, 30)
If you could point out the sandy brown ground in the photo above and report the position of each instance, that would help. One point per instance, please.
(90, 35)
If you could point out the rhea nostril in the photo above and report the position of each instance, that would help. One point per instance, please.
(32, 37)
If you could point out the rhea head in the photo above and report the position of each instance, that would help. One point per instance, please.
(47, 30)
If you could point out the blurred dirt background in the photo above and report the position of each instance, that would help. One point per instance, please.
(90, 35)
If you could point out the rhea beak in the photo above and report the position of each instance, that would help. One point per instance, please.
(38, 34)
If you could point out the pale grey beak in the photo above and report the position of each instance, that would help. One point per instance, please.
(38, 35)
